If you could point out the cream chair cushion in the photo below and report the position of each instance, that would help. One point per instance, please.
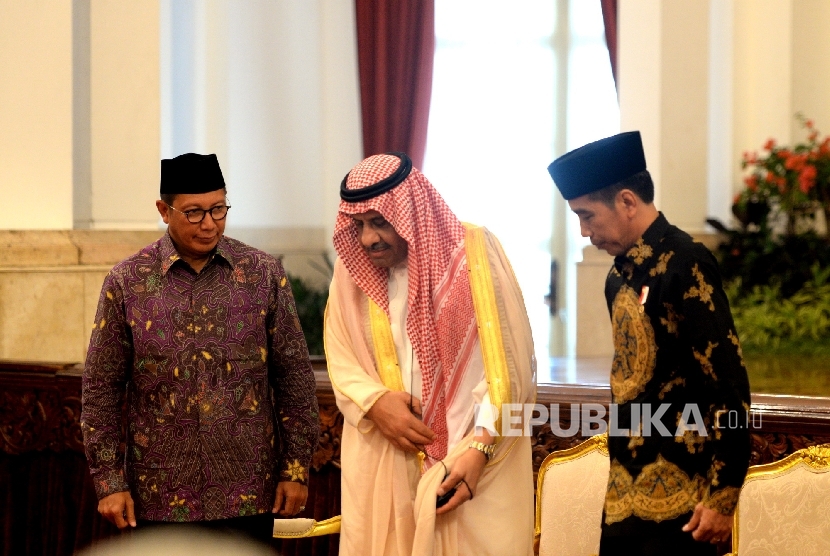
(570, 497)
(784, 507)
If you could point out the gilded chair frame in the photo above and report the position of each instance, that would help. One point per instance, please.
(597, 443)
(815, 457)
(307, 528)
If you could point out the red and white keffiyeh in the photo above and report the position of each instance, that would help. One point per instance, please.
(440, 316)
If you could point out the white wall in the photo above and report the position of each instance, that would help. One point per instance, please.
(639, 75)
(810, 57)
(706, 81)
(663, 82)
(124, 113)
(94, 92)
(79, 113)
(762, 76)
(36, 113)
(271, 87)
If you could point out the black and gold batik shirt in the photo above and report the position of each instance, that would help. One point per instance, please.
(679, 384)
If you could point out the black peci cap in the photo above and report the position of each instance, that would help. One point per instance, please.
(599, 164)
(191, 173)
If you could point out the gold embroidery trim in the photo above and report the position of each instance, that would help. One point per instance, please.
(734, 339)
(386, 358)
(723, 501)
(678, 381)
(662, 264)
(487, 319)
(714, 469)
(672, 320)
(704, 359)
(636, 440)
(328, 367)
(640, 252)
(661, 491)
(692, 438)
(702, 290)
(635, 348)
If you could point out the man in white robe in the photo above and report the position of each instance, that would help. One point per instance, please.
(425, 322)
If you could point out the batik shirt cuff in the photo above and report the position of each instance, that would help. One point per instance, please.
(109, 482)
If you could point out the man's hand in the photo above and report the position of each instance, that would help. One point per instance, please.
(469, 466)
(290, 499)
(708, 525)
(394, 420)
(118, 509)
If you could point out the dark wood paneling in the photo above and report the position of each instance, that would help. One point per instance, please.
(780, 424)
(48, 505)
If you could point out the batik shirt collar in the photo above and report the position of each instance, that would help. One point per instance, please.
(169, 255)
(644, 248)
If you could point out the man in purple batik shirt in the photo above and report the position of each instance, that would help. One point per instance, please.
(200, 333)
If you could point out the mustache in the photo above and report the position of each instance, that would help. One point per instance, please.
(379, 246)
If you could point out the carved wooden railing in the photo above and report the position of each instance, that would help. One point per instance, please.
(49, 505)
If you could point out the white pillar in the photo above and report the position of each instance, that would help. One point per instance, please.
(594, 335)
(762, 75)
(272, 88)
(36, 114)
(811, 63)
(639, 79)
(124, 113)
(274, 113)
(664, 80)
(722, 161)
(342, 135)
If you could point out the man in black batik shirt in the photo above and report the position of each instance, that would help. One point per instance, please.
(678, 381)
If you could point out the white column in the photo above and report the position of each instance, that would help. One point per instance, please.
(639, 79)
(594, 335)
(272, 88)
(762, 75)
(684, 141)
(195, 77)
(664, 80)
(811, 63)
(124, 113)
(342, 135)
(722, 161)
(275, 113)
(36, 114)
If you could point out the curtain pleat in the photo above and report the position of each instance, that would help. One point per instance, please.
(609, 17)
(396, 46)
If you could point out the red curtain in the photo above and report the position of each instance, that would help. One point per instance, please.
(609, 17)
(395, 49)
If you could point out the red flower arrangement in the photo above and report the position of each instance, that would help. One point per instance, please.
(790, 180)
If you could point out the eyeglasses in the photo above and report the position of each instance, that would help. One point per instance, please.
(195, 216)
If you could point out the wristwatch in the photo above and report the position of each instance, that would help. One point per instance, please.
(487, 449)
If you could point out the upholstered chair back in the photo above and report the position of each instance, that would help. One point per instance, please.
(569, 499)
(784, 507)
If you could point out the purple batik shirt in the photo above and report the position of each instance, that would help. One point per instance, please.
(220, 395)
